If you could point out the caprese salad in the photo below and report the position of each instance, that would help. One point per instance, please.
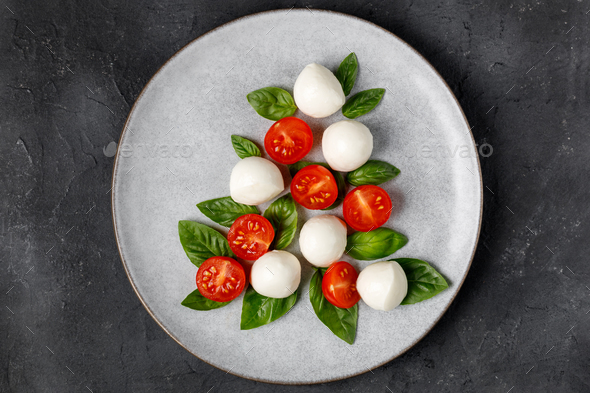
(272, 281)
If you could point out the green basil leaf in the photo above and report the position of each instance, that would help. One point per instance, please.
(201, 242)
(294, 168)
(375, 244)
(225, 211)
(341, 321)
(374, 172)
(299, 165)
(282, 214)
(272, 103)
(362, 103)
(341, 190)
(347, 72)
(258, 310)
(424, 281)
(196, 301)
(244, 147)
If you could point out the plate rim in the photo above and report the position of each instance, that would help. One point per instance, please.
(115, 164)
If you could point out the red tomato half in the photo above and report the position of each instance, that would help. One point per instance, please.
(221, 279)
(366, 208)
(288, 140)
(339, 285)
(314, 187)
(250, 236)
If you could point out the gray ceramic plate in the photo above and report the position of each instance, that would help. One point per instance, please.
(175, 152)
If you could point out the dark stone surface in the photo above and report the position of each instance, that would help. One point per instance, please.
(70, 72)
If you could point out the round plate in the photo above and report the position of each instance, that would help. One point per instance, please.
(175, 151)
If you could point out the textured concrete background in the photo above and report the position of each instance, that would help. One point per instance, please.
(70, 71)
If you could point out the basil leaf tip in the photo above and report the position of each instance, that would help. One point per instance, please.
(362, 103)
(201, 242)
(375, 244)
(282, 214)
(244, 147)
(272, 103)
(424, 281)
(299, 165)
(347, 72)
(196, 301)
(341, 321)
(259, 310)
(225, 211)
(373, 172)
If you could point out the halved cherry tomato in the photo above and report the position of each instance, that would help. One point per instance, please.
(314, 187)
(221, 279)
(366, 208)
(339, 285)
(288, 140)
(250, 236)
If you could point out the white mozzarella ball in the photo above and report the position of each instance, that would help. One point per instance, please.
(317, 92)
(323, 240)
(382, 285)
(276, 274)
(255, 180)
(347, 145)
